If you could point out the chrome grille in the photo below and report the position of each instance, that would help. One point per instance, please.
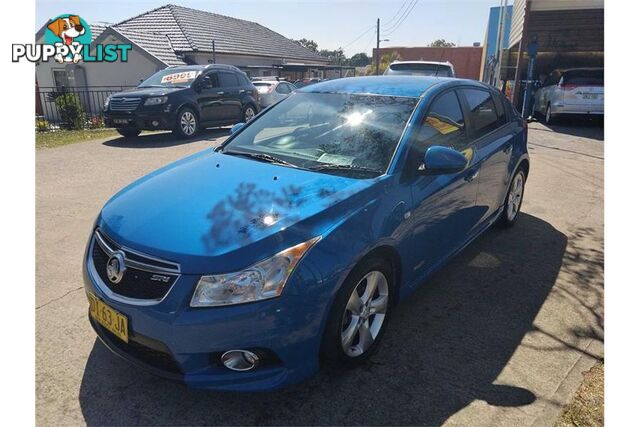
(124, 104)
(146, 280)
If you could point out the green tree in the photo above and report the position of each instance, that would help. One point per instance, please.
(70, 110)
(441, 43)
(309, 44)
(385, 60)
(335, 57)
(359, 60)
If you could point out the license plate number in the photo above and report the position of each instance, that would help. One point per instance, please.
(121, 121)
(114, 321)
(590, 96)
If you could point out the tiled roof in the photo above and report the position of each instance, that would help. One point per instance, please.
(97, 28)
(158, 45)
(193, 30)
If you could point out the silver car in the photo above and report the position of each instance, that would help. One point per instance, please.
(420, 68)
(573, 91)
(270, 91)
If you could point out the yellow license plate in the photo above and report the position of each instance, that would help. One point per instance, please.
(108, 317)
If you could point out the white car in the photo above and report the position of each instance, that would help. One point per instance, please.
(271, 91)
(420, 68)
(573, 91)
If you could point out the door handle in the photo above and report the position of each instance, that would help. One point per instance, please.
(241, 91)
(472, 176)
(220, 93)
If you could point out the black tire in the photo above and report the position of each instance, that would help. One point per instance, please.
(548, 117)
(507, 219)
(187, 123)
(249, 110)
(331, 350)
(128, 133)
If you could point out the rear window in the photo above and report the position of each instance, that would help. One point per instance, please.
(584, 77)
(228, 79)
(419, 70)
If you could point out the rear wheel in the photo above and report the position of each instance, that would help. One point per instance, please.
(513, 201)
(358, 317)
(128, 133)
(187, 124)
(249, 113)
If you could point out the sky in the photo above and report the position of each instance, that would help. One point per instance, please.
(331, 23)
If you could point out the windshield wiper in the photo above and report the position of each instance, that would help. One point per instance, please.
(332, 167)
(262, 157)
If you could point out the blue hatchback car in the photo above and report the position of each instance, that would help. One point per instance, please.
(244, 266)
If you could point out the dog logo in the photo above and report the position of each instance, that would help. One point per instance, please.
(71, 31)
(116, 267)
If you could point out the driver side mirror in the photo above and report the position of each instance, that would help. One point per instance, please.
(235, 128)
(440, 160)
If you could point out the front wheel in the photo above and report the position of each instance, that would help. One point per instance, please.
(513, 201)
(359, 315)
(548, 117)
(128, 133)
(187, 123)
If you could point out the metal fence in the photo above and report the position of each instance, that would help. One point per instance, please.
(72, 108)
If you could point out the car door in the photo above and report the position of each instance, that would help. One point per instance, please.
(443, 210)
(232, 94)
(209, 98)
(493, 140)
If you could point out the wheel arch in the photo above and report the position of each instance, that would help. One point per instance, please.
(189, 104)
(389, 254)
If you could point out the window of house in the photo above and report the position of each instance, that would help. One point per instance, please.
(60, 79)
(483, 115)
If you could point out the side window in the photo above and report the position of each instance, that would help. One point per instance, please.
(228, 79)
(442, 125)
(483, 116)
(500, 111)
(209, 81)
(283, 88)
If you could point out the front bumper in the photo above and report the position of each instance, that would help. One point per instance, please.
(181, 343)
(143, 120)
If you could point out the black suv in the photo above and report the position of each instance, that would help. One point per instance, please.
(184, 99)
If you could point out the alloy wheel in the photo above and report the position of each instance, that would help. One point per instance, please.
(249, 114)
(364, 314)
(188, 123)
(515, 196)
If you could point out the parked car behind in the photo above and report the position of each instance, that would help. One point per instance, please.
(306, 82)
(241, 267)
(184, 99)
(270, 91)
(576, 91)
(420, 68)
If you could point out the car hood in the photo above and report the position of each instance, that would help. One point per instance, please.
(145, 92)
(215, 213)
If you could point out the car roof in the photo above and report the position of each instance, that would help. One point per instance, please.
(422, 62)
(271, 82)
(409, 86)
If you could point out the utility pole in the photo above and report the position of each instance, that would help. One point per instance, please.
(213, 48)
(378, 47)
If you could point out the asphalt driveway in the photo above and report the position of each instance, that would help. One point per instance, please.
(498, 337)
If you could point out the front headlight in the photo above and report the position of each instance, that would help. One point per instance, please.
(156, 100)
(106, 102)
(263, 280)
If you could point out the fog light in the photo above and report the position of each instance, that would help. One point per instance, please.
(155, 123)
(240, 360)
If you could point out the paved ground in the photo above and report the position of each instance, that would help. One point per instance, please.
(498, 337)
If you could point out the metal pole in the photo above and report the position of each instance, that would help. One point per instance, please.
(213, 48)
(498, 52)
(378, 47)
